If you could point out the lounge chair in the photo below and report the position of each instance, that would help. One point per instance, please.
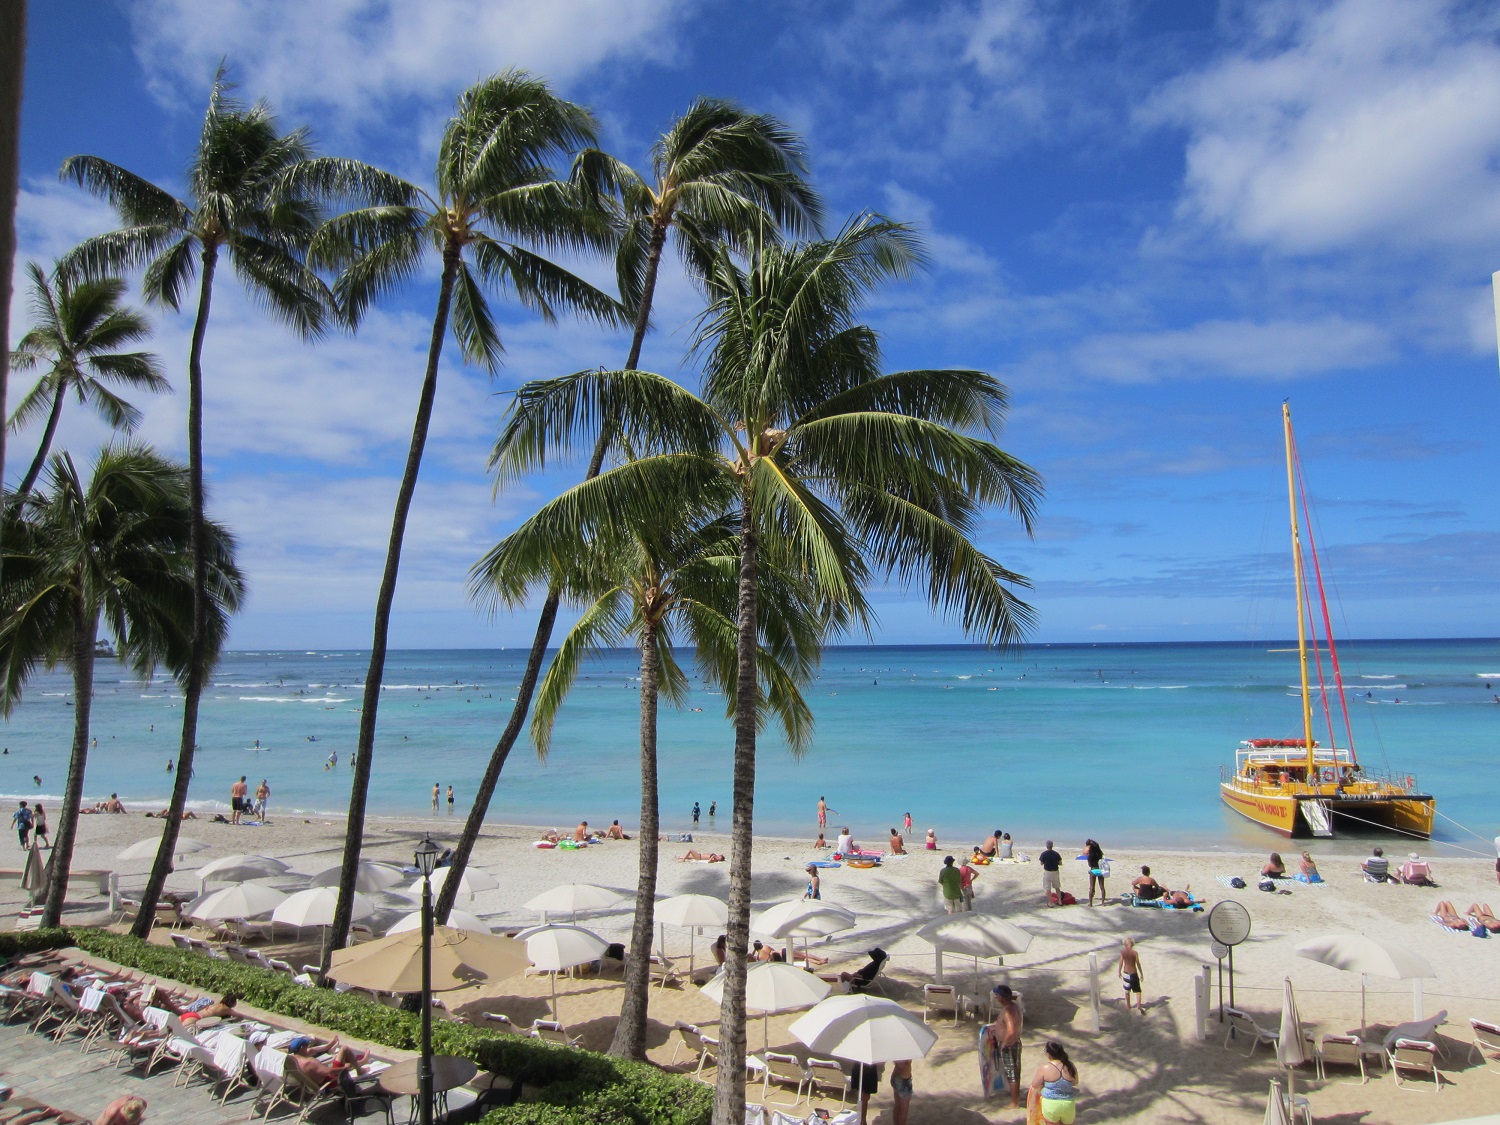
(828, 1074)
(787, 1070)
(1416, 1055)
(499, 1021)
(1486, 1048)
(1242, 1023)
(941, 998)
(1342, 1050)
(550, 1031)
(1424, 1030)
(663, 970)
(269, 1066)
(703, 1046)
(231, 1059)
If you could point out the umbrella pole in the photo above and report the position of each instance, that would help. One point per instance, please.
(693, 953)
(554, 996)
(1363, 1022)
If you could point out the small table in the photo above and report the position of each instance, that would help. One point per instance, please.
(448, 1072)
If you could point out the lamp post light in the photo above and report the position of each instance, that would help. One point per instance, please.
(426, 860)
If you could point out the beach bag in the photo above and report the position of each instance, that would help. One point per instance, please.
(1237, 883)
(1266, 885)
(1479, 930)
(1066, 898)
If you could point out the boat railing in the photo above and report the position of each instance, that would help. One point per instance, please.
(1357, 784)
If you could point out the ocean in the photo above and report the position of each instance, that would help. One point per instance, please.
(1119, 742)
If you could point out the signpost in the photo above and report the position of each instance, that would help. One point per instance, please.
(1228, 925)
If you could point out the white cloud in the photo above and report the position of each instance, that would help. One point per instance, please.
(1235, 349)
(1342, 125)
(367, 57)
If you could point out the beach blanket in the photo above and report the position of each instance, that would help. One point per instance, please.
(1438, 922)
(676, 838)
(1014, 859)
(1196, 905)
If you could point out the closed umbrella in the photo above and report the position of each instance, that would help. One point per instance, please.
(35, 873)
(247, 901)
(1355, 953)
(569, 898)
(457, 920)
(1290, 1049)
(238, 868)
(459, 959)
(691, 911)
(147, 849)
(554, 949)
(369, 877)
(773, 986)
(865, 1029)
(1276, 1111)
(973, 935)
(470, 883)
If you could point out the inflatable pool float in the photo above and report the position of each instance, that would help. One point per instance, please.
(863, 862)
(544, 844)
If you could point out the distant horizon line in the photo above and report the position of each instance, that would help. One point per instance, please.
(1260, 643)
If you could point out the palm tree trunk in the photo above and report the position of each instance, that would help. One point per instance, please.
(630, 1032)
(485, 791)
(85, 629)
(12, 68)
(729, 1093)
(197, 672)
(23, 489)
(369, 708)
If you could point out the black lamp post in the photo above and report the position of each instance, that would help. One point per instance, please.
(426, 859)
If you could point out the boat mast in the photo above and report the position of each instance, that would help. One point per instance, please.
(1291, 490)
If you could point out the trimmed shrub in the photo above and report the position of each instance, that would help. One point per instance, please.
(18, 943)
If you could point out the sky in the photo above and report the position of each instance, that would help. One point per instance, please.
(1153, 221)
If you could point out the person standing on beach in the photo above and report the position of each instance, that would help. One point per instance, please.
(1094, 854)
(1051, 864)
(39, 824)
(450, 800)
(436, 792)
(1131, 974)
(262, 795)
(952, 883)
(865, 1080)
(908, 832)
(901, 1089)
(1000, 1048)
(814, 885)
(237, 793)
(21, 819)
(966, 885)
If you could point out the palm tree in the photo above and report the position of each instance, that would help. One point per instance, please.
(720, 175)
(662, 573)
(114, 549)
(240, 206)
(851, 472)
(494, 198)
(78, 327)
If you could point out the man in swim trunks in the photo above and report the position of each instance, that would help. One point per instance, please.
(1131, 974)
(991, 845)
(237, 793)
(1009, 1036)
(901, 1090)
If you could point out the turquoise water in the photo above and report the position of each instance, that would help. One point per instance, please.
(1121, 742)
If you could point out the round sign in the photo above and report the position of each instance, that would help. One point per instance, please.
(1219, 949)
(1229, 922)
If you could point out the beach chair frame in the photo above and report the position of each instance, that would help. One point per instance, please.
(499, 1021)
(1420, 1055)
(1239, 1022)
(830, 1075)
(787, 1070)
(551, 1031)
(1486, 1046)
(1348, 1050)
(953, 1000)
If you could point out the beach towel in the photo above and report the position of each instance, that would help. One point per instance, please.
(824, 863)
(1195, 905)
(1438, 922)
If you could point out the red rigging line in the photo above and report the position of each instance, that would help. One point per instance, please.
(1333, 651)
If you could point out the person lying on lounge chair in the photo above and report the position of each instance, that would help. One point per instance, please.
(127, 1110)
(1485, 917)
(1444, 914)
(866, 975)
(327, 1074)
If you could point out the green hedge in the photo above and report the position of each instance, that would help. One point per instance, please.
(18, 943)
(573, 1086)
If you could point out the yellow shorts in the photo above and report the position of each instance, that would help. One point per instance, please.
(1059, 1110)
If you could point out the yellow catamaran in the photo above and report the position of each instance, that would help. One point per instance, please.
(1297, 786)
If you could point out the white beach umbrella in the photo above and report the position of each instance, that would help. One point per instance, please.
(315, 907)
(147, 848)
(570, 898)
(238, 868)
(691, 911)
(370, 876)
(773, 986)
(1355, 953)
(246, 900)
(866, 1029)
(457, 920)
(554, 949)
(973, 935)
(470, 883)
(1291, 1050)
(803, 917)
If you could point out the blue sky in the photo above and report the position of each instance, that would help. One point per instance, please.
(1154, 220)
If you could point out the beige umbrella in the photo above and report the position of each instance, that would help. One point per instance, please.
(569, 898)
(247, 901)
(773, 986)
(1355, 953)
(690, 911)
(459, 958)
(866, 1029)
(555, 948)
(973, 935)
(1276, 1113)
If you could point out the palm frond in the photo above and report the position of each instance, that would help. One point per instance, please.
(604, 624)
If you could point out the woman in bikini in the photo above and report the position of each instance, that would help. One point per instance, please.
(1444, 914)
(1485, 917)
(700, 857)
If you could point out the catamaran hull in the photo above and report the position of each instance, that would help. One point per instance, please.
(1408, 815)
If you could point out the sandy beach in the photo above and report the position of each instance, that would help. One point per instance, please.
(1149, 1067)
